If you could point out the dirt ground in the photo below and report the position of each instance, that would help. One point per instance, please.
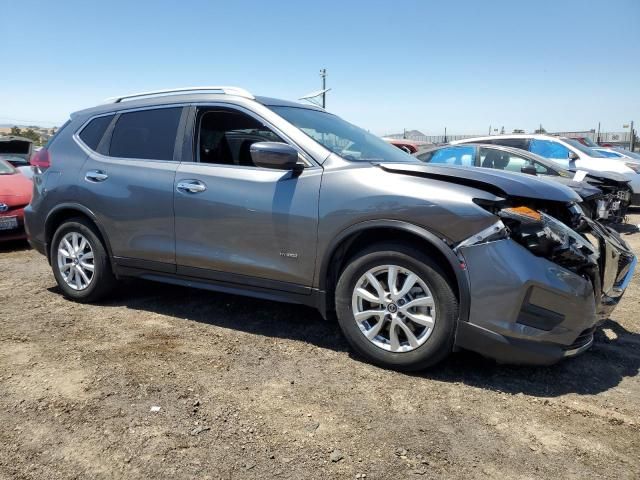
(163, 382)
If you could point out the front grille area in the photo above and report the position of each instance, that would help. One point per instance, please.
(583, 339)
(12, 209)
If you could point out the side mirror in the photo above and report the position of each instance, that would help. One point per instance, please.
(574, 156)
(529, 170)
(279, 156)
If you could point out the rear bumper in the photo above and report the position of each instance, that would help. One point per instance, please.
(38, 246)
(526, 309)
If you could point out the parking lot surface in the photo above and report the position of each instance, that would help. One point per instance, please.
(162, 381)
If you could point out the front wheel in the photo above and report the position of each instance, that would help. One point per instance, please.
(396, 307)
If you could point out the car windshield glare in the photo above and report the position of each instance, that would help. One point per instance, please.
(584, 149)
(342, 138)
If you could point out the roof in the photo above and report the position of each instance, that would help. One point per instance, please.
(186, 96)
(509, 136)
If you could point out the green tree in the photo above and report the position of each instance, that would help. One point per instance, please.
(28, 133)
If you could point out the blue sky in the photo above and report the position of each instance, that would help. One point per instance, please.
(393, 64)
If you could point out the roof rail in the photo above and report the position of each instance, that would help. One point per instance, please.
(240, 92)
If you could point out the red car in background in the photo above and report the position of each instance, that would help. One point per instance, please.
(409, 146)
(587, 142)
(15, 194)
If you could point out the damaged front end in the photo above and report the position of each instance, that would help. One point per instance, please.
(542, 278)
(610, 205)
(567, 237)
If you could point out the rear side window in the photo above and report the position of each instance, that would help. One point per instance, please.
(93, 132)
(148, 134)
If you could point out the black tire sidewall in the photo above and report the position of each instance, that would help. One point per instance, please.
(102, 277)
(440, 342)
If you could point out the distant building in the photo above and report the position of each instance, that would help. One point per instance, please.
(615, 138)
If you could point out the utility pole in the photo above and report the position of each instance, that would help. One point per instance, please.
(598, 137)
(445, 135)
(633, 137)
(323, 75)
(489, 129)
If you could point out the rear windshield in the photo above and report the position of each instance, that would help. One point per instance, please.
(6, 168)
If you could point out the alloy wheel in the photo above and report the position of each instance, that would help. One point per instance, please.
(394, 308)
(76, 261)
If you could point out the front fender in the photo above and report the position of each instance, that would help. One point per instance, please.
(462, 280)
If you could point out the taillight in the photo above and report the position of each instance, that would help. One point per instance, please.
(41, 159)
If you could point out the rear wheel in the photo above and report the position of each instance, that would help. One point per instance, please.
(396, 307)
(80, 262)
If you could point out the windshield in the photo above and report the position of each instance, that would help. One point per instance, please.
(584, 149)
(6, 168)
(628, 153)
(341, 137)
(609, 154)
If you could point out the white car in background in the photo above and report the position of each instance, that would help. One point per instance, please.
(569, 153)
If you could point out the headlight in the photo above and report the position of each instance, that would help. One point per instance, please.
(633, 166)
(547, 237)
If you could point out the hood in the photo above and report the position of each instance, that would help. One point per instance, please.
(15, 189)
(497, 182)
(609, 178)
(584, 189)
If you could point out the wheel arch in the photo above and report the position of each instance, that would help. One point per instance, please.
(366, 233)
(66, 211)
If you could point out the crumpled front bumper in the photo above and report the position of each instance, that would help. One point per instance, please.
(525, 309)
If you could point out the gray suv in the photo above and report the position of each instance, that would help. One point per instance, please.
(217, 189)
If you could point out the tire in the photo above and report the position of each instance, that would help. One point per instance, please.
(437, 343)
(101, 281)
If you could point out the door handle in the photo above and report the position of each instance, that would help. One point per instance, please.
(95, 176)
(191, 186)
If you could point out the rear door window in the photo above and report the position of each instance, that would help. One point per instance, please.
(146, 134)
(93, 132)
(462, 156)
(502, 160)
